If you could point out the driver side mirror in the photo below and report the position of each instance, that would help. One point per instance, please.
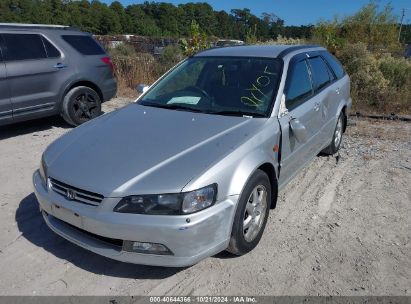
(299, 130)
(142, 88)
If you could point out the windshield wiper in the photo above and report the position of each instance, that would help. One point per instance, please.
(170, 106)
(238, 113)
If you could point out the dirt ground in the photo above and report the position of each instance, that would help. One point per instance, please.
(340, 228)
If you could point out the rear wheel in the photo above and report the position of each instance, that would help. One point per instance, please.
(80, 105)
(251, 215)
(337, 137)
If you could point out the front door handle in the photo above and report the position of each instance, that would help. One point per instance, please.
(60, 65)
(316, 106)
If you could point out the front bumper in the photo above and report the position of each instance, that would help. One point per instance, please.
(206, 233)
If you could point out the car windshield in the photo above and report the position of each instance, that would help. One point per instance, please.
(235, 86)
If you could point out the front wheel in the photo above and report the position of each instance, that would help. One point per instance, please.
(251, 215)
(80, 105)
(337, 137)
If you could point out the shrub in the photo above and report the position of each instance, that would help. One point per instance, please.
(397, 71)
(172, 54)
(130, 71)
(123, 49)
(368, 85)
(198, 40)
(377, 83)
(284, 40)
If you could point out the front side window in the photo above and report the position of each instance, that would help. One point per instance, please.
(23, 47)
(298, 86)
(219, 85)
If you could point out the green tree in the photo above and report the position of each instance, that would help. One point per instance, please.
(197, 42)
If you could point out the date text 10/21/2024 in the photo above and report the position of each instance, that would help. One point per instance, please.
(203, 299)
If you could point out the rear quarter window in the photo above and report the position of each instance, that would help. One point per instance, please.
(51, 50)
(320, 73)
(334, 64)
(85, 45)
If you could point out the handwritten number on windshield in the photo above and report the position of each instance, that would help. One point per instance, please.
(254, 99)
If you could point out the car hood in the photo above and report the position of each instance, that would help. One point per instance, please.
(145, 150)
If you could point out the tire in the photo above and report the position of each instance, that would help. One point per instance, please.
(337, 136)
(80, 104)
(244, 240)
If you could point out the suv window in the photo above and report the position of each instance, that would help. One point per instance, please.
(299, 85)
(335, 64)
(320, 71)
(51, 50)
(23, 47)
(86, 45)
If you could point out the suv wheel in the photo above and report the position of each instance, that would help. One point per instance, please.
(251, 215)
(337, 137)
(80, 105)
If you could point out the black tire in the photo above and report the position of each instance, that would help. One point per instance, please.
(335, 144)
(80, 105)
(239, 245)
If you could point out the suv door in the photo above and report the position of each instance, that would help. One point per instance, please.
(301, 105)
(32, 64)
(6, 110)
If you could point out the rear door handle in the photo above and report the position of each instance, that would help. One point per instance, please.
(337, 90)
(60, 65)
(316, 106)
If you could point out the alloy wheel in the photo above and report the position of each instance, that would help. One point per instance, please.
(338, 132)
(85, 107)
(254, 213)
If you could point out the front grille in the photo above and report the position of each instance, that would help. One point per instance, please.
(76, 194)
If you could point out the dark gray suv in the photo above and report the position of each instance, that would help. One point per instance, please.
(47, 70)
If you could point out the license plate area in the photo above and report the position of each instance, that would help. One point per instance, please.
(67, 216)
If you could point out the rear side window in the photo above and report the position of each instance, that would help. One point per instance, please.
(23, 47)
(298, 85)
(321, 73)
(334, 64)
(86, 45)
(51, 50)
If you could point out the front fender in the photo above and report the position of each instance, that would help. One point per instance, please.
(232, 172)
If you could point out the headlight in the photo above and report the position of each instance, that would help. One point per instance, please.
(170, 204)
(43, 170)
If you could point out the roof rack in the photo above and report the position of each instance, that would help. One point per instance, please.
(37, 26)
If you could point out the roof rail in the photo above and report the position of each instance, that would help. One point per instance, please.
(37, 26)
(296, 48)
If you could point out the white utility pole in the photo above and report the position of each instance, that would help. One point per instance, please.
(402, 18)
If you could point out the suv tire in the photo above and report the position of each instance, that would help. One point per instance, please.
(252, 211)
(80, 104)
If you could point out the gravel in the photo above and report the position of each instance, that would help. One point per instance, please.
(340, 228)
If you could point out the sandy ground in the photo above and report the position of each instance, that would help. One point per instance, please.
(338, 229)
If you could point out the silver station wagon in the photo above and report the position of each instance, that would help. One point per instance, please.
(194, 166)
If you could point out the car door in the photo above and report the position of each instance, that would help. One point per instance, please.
(303, 107)
(6, 110)
(327, 97)
(338, 90)
(32, 64)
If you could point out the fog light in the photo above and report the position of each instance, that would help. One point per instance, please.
(142, 247)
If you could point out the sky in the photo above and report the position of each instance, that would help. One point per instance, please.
(296, 12)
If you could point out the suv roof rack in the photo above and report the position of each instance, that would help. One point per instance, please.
(37, 26)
